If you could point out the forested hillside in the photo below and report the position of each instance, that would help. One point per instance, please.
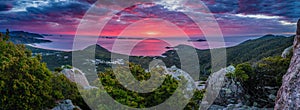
(249, 51)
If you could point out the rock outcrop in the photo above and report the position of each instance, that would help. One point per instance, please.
(66, 105)
(286, 52)
(231, 91)
(288, 96)
(77, 76)
(235, 107)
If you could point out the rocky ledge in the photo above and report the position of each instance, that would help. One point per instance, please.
(288, 96)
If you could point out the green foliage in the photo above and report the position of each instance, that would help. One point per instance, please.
(134, 99)
(67, 67)
(268, 74)
(194, 102)
(59, 69)
(138, 72)
(248, 51)
(261, 78)
(6, 37)
(26, 83)
(271, 70)
(63, 88)
(243, 71)
(140, 100)
(257, 49)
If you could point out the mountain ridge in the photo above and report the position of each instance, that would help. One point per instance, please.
(22, 37)
(250, 50)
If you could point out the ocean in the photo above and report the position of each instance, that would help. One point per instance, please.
(136, 46)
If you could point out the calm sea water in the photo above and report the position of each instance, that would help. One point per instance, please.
(135, 47)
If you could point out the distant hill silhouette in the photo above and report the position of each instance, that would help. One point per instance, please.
(21, 37)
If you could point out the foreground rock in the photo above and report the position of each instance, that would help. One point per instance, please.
(77, 76)
(235, 107)
(231, 92)
(66, 105)
(288, 96)
(286, 52)
(234, 96)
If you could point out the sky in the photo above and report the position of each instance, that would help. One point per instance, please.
(235, 17)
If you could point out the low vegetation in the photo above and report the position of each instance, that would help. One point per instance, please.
(26, 83)
(261, 79)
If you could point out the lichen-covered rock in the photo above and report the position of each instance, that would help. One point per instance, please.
(231, 93)
(77, 76)
(66, 105)
(238, 106)
(288, 96)
(286, 52)
(233, 96)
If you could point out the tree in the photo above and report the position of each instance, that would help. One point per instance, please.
(271, 70)
(261, 78)
(141, 100)
(242, 72)
(6, 37)
(25, 81)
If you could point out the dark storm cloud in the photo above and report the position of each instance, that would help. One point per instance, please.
(5, 7)
(88, 1)
(222, 6)
(60, 9)
(67, 14)
(285, 8)
(231, 24)
(266, 16)
(34, 13)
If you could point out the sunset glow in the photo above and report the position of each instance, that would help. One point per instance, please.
(63, 17)
(152, 33)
